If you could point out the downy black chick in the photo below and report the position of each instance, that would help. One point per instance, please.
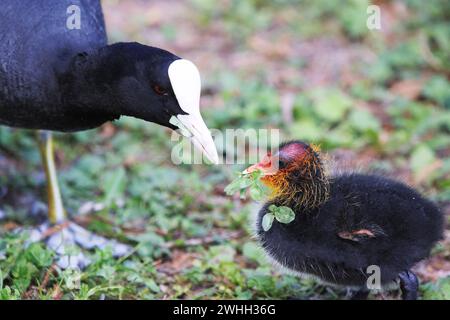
(346, 223)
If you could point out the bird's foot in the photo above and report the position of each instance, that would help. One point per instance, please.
(409, 284)
(67, 238)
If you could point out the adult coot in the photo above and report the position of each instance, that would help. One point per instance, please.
(58, 73)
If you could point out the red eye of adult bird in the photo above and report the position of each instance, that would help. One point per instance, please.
(159, 90)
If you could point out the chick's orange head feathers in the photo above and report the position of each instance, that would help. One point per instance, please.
(295, 175)
(276, 166)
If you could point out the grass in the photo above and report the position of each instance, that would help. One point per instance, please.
(190, 240)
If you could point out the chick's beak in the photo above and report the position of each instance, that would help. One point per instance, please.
(193, 127)
(251, 169)
(266, 166)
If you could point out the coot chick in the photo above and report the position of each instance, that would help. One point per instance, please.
(345, 225)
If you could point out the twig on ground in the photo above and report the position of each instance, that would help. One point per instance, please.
(51, 231)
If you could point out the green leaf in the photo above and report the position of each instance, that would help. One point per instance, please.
(438, 90)
(421, 157)
(267, 221)
(9, 294)
(233, 187)
(151, 284)
(247, 181)
(39, 256)
(284, 214)
(22, 274)
(331, 105)
(222, 253)
(114, 185)
(307, 129)
(253, 252)
(437, 291)
(364, 120)
(258, 191)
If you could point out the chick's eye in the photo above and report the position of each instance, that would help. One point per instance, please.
(159, 90)
(282, 164)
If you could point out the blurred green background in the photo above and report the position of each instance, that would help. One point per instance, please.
(376, 101)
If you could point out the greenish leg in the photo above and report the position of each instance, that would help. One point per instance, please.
(66, 234)
(56, 212)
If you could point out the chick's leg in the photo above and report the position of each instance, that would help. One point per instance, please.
(409, 284)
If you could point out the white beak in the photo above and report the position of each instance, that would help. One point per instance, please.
(194, 128)
(185, 79)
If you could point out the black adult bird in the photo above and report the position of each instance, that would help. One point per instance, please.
(345, 224)
(58, 73)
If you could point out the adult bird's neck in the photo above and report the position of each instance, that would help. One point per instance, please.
(87, 85)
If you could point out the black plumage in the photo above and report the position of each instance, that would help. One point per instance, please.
(56, 78)
(355, 221)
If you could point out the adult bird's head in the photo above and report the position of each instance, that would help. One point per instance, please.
(150, 84)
